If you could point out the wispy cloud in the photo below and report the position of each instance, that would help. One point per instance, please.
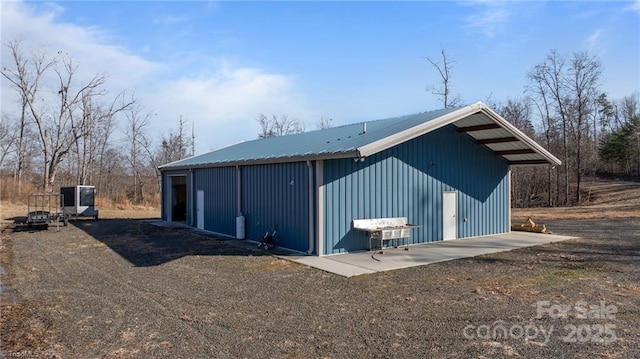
(488, 17)
(220, 97)
(226, 100)
(39, 29)
(634, 7)
(593, 40)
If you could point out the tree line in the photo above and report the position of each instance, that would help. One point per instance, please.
(566, 110)
(66, 130)
(65, 133)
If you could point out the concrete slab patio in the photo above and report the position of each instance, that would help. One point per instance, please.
(352, 264)
(367, 262)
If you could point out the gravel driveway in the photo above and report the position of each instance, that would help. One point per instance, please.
(128, 289)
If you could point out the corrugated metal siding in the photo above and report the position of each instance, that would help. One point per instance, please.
(408, 181)
(277, 194)
(220, 198)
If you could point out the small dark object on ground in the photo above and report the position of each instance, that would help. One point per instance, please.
(269, 239)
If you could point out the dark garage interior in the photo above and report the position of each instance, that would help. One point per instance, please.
(179, 198)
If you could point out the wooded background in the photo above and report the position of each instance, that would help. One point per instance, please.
(74, 131)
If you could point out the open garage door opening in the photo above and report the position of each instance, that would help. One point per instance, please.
(178, 198)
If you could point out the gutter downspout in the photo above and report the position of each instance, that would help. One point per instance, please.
(310, 204)
(238, 190)
(193, 198)
(509, 200)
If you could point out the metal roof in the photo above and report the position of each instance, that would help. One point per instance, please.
(366, 138)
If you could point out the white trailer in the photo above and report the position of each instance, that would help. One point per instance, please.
(79, 201)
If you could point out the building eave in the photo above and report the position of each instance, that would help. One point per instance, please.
(551, 159)
(477, 120)
(264, 161)
(515, 135)
(416, 131)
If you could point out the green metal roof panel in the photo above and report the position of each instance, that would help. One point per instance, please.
(351, 141)
(335, 142)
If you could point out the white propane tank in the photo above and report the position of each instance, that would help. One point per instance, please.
(240, 227)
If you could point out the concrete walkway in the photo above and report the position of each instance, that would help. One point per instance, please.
(352, 264)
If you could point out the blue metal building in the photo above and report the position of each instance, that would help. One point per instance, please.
(447, 170)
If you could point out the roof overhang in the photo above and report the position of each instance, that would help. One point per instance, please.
(485, 126)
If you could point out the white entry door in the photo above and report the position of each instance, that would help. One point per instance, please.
(200, 209)
(449, 215)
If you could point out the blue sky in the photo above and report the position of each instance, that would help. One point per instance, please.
(220, 64)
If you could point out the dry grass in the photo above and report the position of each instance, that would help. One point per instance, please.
(10, 192)
(603, 198)
(13, 203)
(130, 213)
(580, 212)
(124, 203)
(9, 211)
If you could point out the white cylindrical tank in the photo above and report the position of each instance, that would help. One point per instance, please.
(240, 227)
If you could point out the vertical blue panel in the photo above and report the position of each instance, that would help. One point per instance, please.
(408, 181)
(277, 194)
(220, 198)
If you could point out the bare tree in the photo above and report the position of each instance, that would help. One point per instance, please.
(193, 139)
(443, 90)
(525, 185)
(93, 133)
(103, 135)
(136, 139)
(584, 75)
(549, 75)
(155, 160)
(518, 112)
(26, 77)
(324, 123)
(7, 138)
(567, 92)
(59, 126)
(28, 83)
(628, 108)
(538, 95)
(174, 146)
(278, 126)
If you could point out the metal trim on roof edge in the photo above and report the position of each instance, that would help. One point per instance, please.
(416, 131)
(389, 141)
(518, 134)
(264, 161)
(426, 127)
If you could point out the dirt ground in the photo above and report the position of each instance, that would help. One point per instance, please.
(602, 199)
(121, 288)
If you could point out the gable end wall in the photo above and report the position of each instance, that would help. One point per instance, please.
(408, 181)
